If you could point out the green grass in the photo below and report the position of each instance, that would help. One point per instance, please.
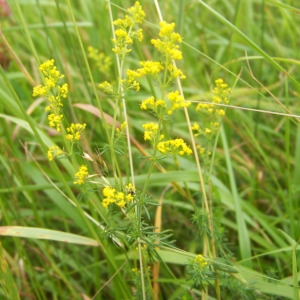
(57, 239)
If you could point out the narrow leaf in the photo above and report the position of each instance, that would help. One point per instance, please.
(47, 234)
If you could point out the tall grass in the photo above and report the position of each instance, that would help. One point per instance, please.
(222, 225)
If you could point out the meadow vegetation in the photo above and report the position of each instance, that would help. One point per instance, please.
(149, 150)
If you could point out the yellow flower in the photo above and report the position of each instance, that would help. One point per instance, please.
(221, 91)
(177, 102)
(53, 152)
(121, 42)
(123, 126)
(150, 67)
(174, 72)
(74, 132)
(196, 129)
(63, 91)
(47, 65)
(220, 112)
(160, 107)
(81, 175)
(168, 44)
(106, 87)
(55, 121)
(150, 131)
(148, 103)
(130, 189)
(130, 82)
(201, 150)
(136, 13)
(195, 126)
(119, 199)
(129, 198)
(101, 61)
(128, 29)
(50, 82)
(52, 75)
(139, 35)
(216, 99)
(54, 92)
(215, 114)
(39, 90)
(108, 192)
(132, 75)
(208, 131)
(201, 261)
(174, 147)
(111, 195)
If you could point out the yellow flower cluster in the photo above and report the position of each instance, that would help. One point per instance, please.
(201, 261)
(164, 73)
(150, 131)
(157, 106)
(160, 107)
(148, 68)
(136, 14)
(53, 152)
(81, 175)
(111, 195)
(106, 87)
(168, 44)
(130, 82)
(214, 115)
(126, 30)
(122, 129)
(55, 120)
(221, 93)
(177, 102)
(74, 131)
(54, 92)
(136, 270)
(101, 61)
(203, 151)
(174, 147)
(213, 127)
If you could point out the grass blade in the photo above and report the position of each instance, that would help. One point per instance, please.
(47, 234)
(243, 235)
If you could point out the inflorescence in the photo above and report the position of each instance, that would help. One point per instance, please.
(55, 92)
